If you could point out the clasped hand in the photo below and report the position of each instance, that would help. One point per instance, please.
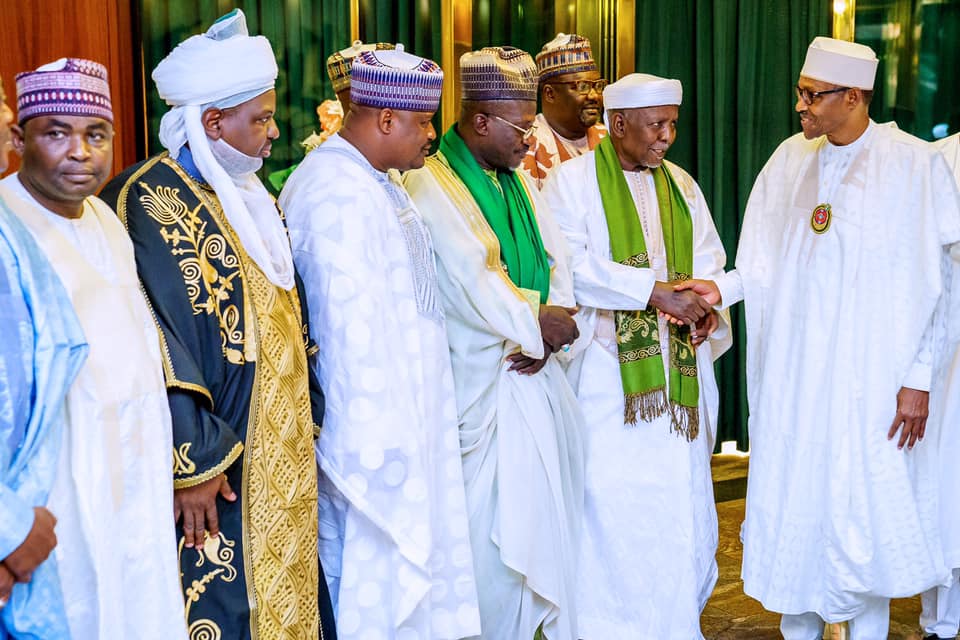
(558, 328)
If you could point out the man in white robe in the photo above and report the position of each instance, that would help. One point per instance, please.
(506, 289)
(940, 615)
(571, 95)
(842, 265)
(393, 520)
(113, 494)
(647, 559)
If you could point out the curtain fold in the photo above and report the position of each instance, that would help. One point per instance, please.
(738, 61)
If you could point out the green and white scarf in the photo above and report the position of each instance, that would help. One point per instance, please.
(638, 332)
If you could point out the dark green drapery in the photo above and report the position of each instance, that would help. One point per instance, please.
(738, 61)
(302, 33)
(524, 24)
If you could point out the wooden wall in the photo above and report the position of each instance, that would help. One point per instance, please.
(35, 32)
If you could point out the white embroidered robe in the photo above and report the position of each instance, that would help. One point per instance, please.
(520, 436)
(113, 494)
(394, 540)
(647, 560)
(837, 323)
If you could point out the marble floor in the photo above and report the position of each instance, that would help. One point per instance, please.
(731, 615)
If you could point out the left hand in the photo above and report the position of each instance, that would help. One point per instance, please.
(703, 329)
(527, 366)
(7, 581)
(912, 411)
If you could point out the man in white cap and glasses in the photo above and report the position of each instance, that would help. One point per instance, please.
(635, 223)
(940, 615)
(216, 265)
(571, 106)
(112, 471)
(394, 537)
(842, 265)
(506, 289)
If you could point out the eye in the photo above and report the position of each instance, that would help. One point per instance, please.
(98, 136)
(56, 135)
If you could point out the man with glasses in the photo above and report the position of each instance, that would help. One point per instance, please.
(843, 265)
(571, 96)
(507, 292)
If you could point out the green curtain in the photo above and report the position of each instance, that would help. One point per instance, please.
(415, 23)
(525, 24)
(303, 33)
(738, 61)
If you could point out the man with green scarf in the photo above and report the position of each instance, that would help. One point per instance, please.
(507, 293)
(634, 224)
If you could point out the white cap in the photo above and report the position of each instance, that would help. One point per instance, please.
(638, 90)
(839, 62)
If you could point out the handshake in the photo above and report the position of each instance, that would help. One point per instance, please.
(688, 302)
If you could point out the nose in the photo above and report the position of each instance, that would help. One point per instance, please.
(800, 106)
(79, 147)
(431, 133)
(273, 132)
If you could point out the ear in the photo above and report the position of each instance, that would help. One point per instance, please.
(549, 93)
(17, 139)
(480, 124)
(386, 121)
(853, 97)
(211, 120)
(618, 125)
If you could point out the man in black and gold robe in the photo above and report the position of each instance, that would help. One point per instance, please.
(215, 262)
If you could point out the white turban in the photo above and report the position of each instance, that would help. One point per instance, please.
(846, 64)
(223, 68)
(638, 90)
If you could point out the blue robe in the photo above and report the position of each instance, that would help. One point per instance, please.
(41, 351)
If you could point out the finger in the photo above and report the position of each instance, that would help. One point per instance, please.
(213, 519)
(225, 490)
(188, 529)
(513, 357)
(897, 421)
(923, 429)
(177, 511)
(904, 433)
(683, 285)
(199, 526)
(914, 432)
(572, 310)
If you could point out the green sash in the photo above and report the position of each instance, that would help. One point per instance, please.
(638, 333)
(508, 211)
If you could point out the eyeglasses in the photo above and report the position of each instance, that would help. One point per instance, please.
(583, 87)
(524, 133)
(809, 97)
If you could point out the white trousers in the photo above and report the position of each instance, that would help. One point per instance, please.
(873, 623)
(941, 609)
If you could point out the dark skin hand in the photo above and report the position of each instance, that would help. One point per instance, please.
(527, 366)
(557, 326)
(912, 412)
(6, 583)
(198, 506)
(686, 306)
(704, 328)
(35, 548)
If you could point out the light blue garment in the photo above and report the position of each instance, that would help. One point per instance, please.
(41, 350)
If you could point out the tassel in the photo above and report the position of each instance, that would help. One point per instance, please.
(646, 405)
(685, 421)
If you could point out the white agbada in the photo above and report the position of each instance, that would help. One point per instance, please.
(113, 495)
(837, 323)
(941, 605)
(520, 436)
(394, 539)
(647, 559)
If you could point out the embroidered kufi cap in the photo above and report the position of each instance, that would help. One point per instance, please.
(68, 86)
(498, 73)
(842, 63)
(395, 79)
(565, 54)
(338, 64)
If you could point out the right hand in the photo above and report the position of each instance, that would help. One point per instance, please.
(35, 548)
(557, 326)
(198, 506)
(683, 306)
(7, 580)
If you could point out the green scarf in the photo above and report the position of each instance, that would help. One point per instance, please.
(638, 333)
(508, 211)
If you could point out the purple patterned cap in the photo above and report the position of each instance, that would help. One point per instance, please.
(68, 86)
(395, 80)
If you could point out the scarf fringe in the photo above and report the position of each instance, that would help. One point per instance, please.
(684, 421)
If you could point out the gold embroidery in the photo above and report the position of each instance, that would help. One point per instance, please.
(218, 551)
(204, 629)
(280, 507)
(182, 464)
(212, 472)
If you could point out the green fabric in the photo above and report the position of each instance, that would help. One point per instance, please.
(524, 24)
(645, 386)
(509, 213)
(738, 61)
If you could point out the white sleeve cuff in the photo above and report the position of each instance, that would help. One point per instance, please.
(919, 377)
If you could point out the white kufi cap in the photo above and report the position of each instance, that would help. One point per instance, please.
(638, 90)
(846, 64)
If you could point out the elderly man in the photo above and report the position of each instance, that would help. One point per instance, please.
(842, 266)
(392, 506)
(505, 287)
(940, 617)
(41, 352)
(635, 222)
(571, 97)
(112, 471)
(215, 262)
